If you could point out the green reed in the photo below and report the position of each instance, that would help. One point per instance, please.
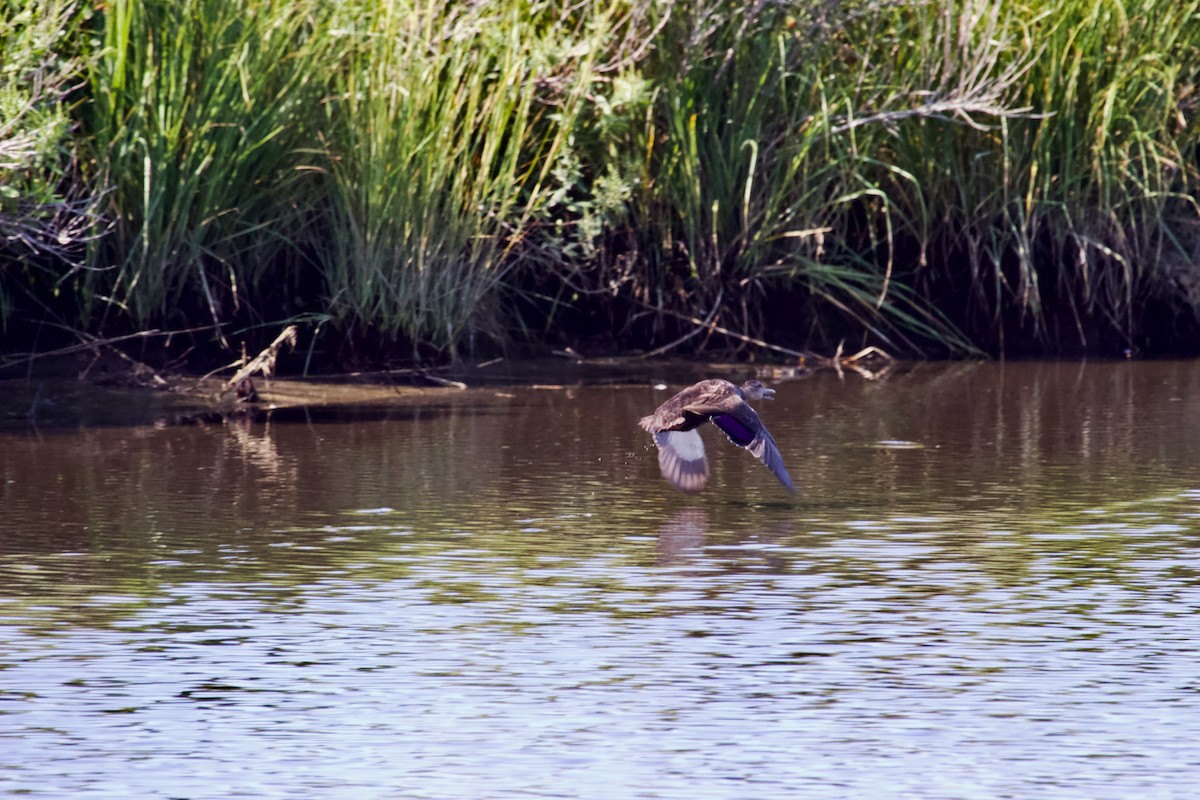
(1058, 197)
(750, 175)
(954, 173)
(1112, 174)
(441, 129)
(923, 169)
(195, 111)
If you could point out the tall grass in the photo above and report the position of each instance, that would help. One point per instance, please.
(1075, 220)
(930, 171)
(1114, 183)
(752, 174)
(441, 128)
(196, 109)
(943, 175)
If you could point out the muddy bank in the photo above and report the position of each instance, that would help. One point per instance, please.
(75, 391)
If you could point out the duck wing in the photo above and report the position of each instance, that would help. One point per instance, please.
(744, 428)
(765, 450)
(681, 459)
(690, 407)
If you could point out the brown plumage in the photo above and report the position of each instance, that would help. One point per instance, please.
(680, 448)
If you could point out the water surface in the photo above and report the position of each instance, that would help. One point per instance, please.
(986, 588)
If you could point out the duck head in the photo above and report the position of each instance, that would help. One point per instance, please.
(756, 390)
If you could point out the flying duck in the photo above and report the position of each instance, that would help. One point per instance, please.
(680, 448)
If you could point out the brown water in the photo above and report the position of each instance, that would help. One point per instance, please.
(987, 588)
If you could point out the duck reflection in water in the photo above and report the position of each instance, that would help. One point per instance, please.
(674, 425)
(681, 536)
(684, 536)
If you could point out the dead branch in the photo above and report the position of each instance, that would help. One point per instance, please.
(263, 363)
